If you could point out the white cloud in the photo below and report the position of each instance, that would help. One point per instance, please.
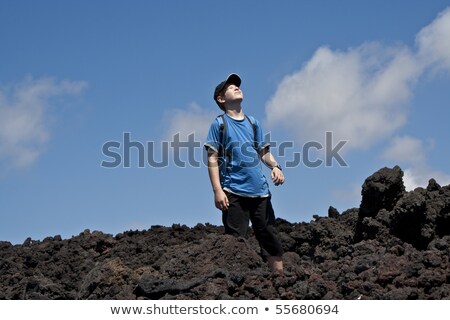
(433, 42)
(193, 119)
(360, 94)
(411, 153)
(406, 149)
(24, 127)
(185, 122)
(419, 176)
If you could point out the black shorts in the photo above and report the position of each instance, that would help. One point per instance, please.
(259, 211)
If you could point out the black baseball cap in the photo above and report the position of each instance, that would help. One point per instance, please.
(231, 79)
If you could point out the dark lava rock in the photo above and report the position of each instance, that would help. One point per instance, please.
(381, 190)
(395, 246)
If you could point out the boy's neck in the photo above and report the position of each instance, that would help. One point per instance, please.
(235, 112)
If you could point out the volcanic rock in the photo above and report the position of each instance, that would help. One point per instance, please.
(395, 246)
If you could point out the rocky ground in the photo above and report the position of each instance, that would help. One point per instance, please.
(395, 246)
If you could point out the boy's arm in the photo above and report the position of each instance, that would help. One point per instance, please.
(220, 198)
(268, 159)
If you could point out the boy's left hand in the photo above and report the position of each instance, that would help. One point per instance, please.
(277, 176)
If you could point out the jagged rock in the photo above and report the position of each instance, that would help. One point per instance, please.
(109, 279)
(333, 212)
(381, 190)
(155, 288)
(395, 246)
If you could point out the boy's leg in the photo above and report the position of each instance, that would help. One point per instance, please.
(236, 218)
(263, 224)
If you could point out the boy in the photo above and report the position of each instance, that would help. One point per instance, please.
(235, 149)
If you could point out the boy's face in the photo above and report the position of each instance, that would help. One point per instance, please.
(231, 93)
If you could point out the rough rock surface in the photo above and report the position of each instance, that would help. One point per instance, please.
(395, 246)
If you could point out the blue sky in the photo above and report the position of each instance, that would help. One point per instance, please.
(75, 75)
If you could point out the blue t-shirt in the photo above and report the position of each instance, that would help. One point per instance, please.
(240, 168)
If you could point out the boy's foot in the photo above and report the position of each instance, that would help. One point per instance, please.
(275, 265)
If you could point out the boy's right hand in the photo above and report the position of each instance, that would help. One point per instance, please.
(221, 200)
